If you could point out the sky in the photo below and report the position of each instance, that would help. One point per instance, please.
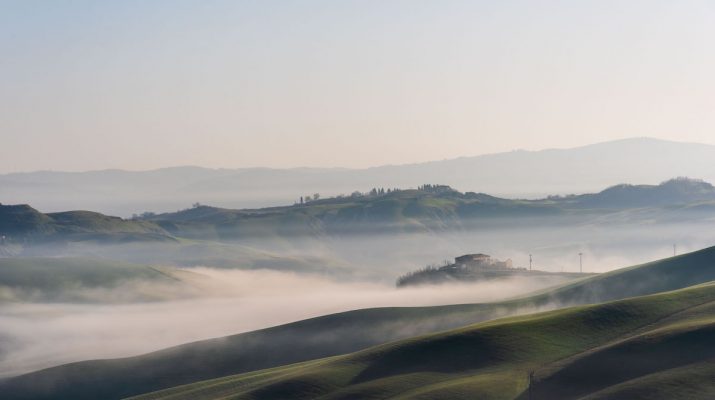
(139, 85)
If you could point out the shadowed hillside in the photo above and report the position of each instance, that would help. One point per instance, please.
(335, 334)
(589, 350)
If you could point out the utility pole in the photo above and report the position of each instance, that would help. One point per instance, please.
(580, 263)
(674, 249)
(531, 379)
(530, 260)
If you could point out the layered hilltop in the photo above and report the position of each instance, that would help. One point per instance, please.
(474, 267)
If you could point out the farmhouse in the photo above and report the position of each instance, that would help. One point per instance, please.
(469, 267)
(481, 261)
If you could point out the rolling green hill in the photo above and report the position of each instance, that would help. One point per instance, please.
(609, 350)
(22, 224)
(84, 234)
(436, 208)
(671, 192)
(431, 208)
(337, 334)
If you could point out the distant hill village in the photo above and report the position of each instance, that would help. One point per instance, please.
(469, 267)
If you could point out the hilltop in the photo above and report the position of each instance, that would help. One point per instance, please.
(476, 267)
(22, 224)
(347, 332)
(435, 208)
(671, 192)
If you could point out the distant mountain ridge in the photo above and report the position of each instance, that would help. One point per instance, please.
(520, 173)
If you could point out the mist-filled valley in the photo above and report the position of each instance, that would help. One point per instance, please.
(207, 292)
(81, 286)
(355, 200)
(380, 234)
(210, 303)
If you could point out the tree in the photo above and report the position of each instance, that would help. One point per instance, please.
(316, 196)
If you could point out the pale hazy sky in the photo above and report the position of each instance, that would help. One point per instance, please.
(145, 84)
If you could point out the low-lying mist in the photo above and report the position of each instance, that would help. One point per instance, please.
(274, 281)
(221, 302)
(553, 247)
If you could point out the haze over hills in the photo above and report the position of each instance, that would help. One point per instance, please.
(519, 173)
(351, 200)
(351, 331)
(399, 227)
(406, 230)
(430, 208)
(330, 236)
(79, 280)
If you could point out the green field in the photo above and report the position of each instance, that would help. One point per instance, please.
(23, 225)
(610, 350)
(343, 333)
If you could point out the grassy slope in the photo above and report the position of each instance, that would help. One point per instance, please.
(439, 210)
(632, 338)
(403, 211)
(694, 381)
(23, 224)
(400, 211)
(335, 334)
(87, 221)
(55, 278)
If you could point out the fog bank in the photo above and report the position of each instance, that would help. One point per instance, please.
(34, 336)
